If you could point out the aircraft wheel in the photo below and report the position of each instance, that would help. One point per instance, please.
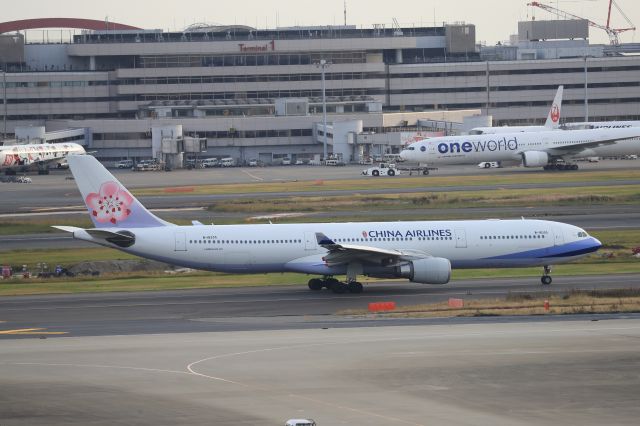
(329, 283)
(391, 173)
(574, 167)
(487, 165)
(315, 284)
(546, 280)
(355, 287)
(425, 172)
(339, 288)
(375, 173)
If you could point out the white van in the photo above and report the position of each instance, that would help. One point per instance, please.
(210, 162)
(227, 162)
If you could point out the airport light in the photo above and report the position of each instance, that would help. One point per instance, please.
(324, 64)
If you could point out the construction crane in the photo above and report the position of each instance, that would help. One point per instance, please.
(611, 32)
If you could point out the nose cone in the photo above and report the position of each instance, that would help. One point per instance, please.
(407, 155)
(596, 244)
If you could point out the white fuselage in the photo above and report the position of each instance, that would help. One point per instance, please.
(294, 248)
(21, 157)
(510, 147)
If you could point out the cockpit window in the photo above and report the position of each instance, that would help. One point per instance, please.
(410, 148)
(582, 234)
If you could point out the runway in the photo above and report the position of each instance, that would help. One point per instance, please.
(525, 373)
(258, 308)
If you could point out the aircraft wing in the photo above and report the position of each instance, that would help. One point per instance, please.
(578, 147)
(340, 254)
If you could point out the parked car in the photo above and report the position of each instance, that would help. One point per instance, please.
(299, 162)
(286, 161)
(253, 163)
(124, 164)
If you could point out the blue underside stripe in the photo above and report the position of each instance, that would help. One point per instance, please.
(575, 248)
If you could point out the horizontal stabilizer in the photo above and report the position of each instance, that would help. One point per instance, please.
(119, 238)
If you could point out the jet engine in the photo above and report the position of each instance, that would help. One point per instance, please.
(431, 270)
(535, 158)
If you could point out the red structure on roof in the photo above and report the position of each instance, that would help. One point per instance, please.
(80, 24)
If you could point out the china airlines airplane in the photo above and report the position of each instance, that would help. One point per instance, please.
(15, 158)
(423, 251)
(550, 149)
(552, 123)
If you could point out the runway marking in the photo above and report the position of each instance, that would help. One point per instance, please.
(30, 331)
(252, 176)
(314, 400)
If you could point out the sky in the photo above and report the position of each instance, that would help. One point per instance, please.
(495, 20)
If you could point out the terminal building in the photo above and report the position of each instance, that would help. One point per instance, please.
(258, 94)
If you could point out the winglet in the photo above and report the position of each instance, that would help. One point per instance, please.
(323, 240)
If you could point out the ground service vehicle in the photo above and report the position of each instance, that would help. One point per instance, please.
(490, 165)
(383, 169)
(300, 422)
(148, 165)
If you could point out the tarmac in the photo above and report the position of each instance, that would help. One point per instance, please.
(523, 373)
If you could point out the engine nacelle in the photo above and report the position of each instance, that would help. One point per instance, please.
(431, 270)
(535, 158)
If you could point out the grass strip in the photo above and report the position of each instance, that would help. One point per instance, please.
(365, 183)
(574, 302)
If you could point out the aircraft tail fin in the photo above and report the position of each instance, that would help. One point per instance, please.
(553, 119)
(109, 203)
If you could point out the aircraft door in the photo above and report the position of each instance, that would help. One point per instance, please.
(559, 237)
(181, 241)
(461, 238)
(310, 242)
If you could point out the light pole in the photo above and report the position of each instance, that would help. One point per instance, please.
(586, 91)
(324, 64)
(4, 102)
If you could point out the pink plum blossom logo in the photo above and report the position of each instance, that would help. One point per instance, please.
(111, 204)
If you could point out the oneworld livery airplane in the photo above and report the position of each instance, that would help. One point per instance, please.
(421, 251)
(552, 150)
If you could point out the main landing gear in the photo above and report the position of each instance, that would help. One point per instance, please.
(546, 278)
(338, 287)
(560, 166)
